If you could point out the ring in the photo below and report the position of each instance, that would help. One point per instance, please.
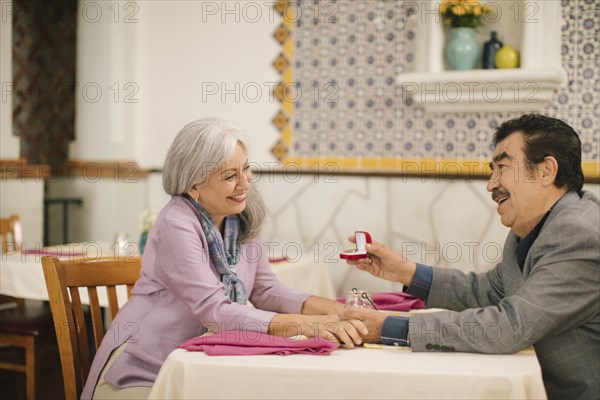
(370, 261)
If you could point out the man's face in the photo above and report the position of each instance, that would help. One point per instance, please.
(516, 190)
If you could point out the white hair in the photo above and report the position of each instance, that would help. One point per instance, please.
(199, 150)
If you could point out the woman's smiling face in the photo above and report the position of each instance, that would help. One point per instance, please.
(224, 192)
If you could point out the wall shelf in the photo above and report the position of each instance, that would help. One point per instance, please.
(484, 90)
(532, 26)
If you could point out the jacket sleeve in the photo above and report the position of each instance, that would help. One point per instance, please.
(558, 293)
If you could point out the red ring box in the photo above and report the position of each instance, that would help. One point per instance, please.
(362, 238)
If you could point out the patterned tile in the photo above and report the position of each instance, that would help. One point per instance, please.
(588, 73)
(587, 5)
(368, 44)
(588, 23)
(588, 47)
(588, 122)
(589, 146)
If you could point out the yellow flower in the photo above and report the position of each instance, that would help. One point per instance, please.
(462, 13)
(445, 5)
(458, 10)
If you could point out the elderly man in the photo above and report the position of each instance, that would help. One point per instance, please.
(544, 292)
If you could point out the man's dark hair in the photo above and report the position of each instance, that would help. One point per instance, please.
(546, 136)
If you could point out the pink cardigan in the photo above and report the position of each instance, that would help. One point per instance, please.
(179, 295)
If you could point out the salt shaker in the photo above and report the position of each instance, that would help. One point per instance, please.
(358, 298)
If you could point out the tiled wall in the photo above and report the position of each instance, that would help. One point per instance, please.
(349, 53)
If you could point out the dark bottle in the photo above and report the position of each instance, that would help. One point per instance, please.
(489, 51)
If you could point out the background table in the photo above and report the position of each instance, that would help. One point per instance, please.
(359, 373)
(21, 275)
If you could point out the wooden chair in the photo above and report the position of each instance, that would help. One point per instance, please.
(22, 324)
(10, 232)
(11, 237)
(63, 280)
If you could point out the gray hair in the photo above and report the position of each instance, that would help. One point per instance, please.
(199, 150)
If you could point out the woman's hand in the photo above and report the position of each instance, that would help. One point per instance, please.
(384, 263)
(331, 327)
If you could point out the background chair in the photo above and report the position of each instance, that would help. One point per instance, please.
(63, 280)
(11, 233)
(11, 238)
(22, 324)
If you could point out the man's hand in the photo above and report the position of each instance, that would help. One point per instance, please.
(372, 319)
(384, 263)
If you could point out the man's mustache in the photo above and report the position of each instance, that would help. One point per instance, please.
(499, 193)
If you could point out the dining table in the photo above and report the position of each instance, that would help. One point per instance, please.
(22, 276)
(374, 372)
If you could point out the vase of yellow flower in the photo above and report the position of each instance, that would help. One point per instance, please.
(462, 16)
(462, 51)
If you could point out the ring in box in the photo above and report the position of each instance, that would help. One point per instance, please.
(362, 238)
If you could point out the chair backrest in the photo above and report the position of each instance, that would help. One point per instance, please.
(11, 233)
(63, 280)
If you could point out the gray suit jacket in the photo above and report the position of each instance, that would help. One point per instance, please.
(554, 304)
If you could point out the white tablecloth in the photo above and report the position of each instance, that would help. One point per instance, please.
(21, 275)
(360, 373)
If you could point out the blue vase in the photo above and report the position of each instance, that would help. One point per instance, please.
(462, 50)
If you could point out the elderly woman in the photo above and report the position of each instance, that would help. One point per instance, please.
(203, 262)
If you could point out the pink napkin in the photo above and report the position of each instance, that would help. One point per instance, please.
(247, 343)
(394, 301)
(58, 253)
(274, 260)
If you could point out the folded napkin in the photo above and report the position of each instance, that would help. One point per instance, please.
(49, 252)
(394, 301)
(247, 343)
(274, 260)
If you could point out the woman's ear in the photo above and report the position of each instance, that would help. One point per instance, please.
(548, 170)
(194, 192)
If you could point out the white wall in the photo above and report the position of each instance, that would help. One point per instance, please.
(188, 58)
(173, 62)
(9, 144)
(109, 208)
(24, 197)
(107, 92)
